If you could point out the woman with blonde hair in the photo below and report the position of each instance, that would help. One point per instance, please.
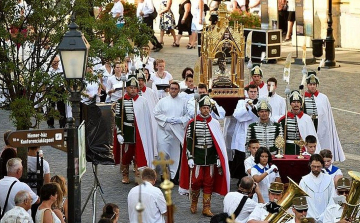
(63, 203)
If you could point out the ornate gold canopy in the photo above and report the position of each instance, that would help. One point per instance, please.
(220, 43)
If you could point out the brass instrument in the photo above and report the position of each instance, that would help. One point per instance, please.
(351, 207)
(291, 192)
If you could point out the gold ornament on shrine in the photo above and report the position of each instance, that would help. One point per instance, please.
(221, 44)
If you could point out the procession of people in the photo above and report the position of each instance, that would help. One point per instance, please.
(205, 143)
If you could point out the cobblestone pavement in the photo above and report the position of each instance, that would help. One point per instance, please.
(340, 84)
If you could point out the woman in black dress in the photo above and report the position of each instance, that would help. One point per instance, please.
(184, 23)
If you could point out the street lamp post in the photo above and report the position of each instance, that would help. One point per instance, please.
(330, 41)
(73, 51)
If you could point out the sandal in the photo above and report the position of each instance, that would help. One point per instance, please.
(175, 45)
(190, 47)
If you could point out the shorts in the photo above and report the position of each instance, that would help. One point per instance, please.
(291, 16)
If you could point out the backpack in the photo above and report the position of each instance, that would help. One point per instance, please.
(221, 218)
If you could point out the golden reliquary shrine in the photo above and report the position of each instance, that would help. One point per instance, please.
(221, 43)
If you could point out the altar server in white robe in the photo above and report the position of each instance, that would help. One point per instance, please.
(320, 188)
(171, 116)
(318, 107)
(218, 114)
(277, 103)
(243, 116)
(152, 100)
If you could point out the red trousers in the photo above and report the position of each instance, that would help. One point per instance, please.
(203, 177)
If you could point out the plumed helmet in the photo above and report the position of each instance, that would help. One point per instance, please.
(312, 78)
(256, 70)
(132, 81)
(295, 96)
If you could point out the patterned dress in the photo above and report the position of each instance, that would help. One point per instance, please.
(167, 20)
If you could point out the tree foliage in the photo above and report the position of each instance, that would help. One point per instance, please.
(29, 36)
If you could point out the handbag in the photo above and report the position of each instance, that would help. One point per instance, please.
(154, 14)
(222, 217)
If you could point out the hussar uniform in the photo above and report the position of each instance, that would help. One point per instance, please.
(210, 163)
(318, 107)
(298, 128)
(262, 88)
(135, 131)
(266, 133)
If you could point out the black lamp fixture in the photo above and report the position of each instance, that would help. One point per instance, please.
(73, 51)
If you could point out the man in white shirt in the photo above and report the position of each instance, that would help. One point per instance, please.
(14, 173)
(232, 199)
(171, 116)
(19, 213)
(334, 211)
(299, 208)
(277, 103)
(202, 89)
(319, 186)
(152, 198)
(32, 164)
(259, 214)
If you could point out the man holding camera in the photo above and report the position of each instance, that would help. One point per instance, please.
(247, 187)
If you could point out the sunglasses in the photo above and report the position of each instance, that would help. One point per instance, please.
(300, 211)
(343, 192)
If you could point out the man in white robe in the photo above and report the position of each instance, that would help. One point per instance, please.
(277, 103)
(152, 100)
(318, 107)
(244, 115)
(319, 186)
(171, 116)
(133, 131)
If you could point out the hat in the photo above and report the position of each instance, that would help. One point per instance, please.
(162, 86)
(256, 70)
(205, 100)
(276, 188)
(295, 96)
(140, 74)
(307, 220)
(132, 81)
(343, 184)
(312, 78)
(263, 105)
(300, 203)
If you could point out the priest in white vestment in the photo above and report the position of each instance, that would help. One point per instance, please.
(320, 188)
(171, 116)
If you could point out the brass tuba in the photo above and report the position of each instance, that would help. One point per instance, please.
(352, 207)
(291, 192)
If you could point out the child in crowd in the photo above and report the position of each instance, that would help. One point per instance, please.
(330, 169)
(249, 163)
(310, 145)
